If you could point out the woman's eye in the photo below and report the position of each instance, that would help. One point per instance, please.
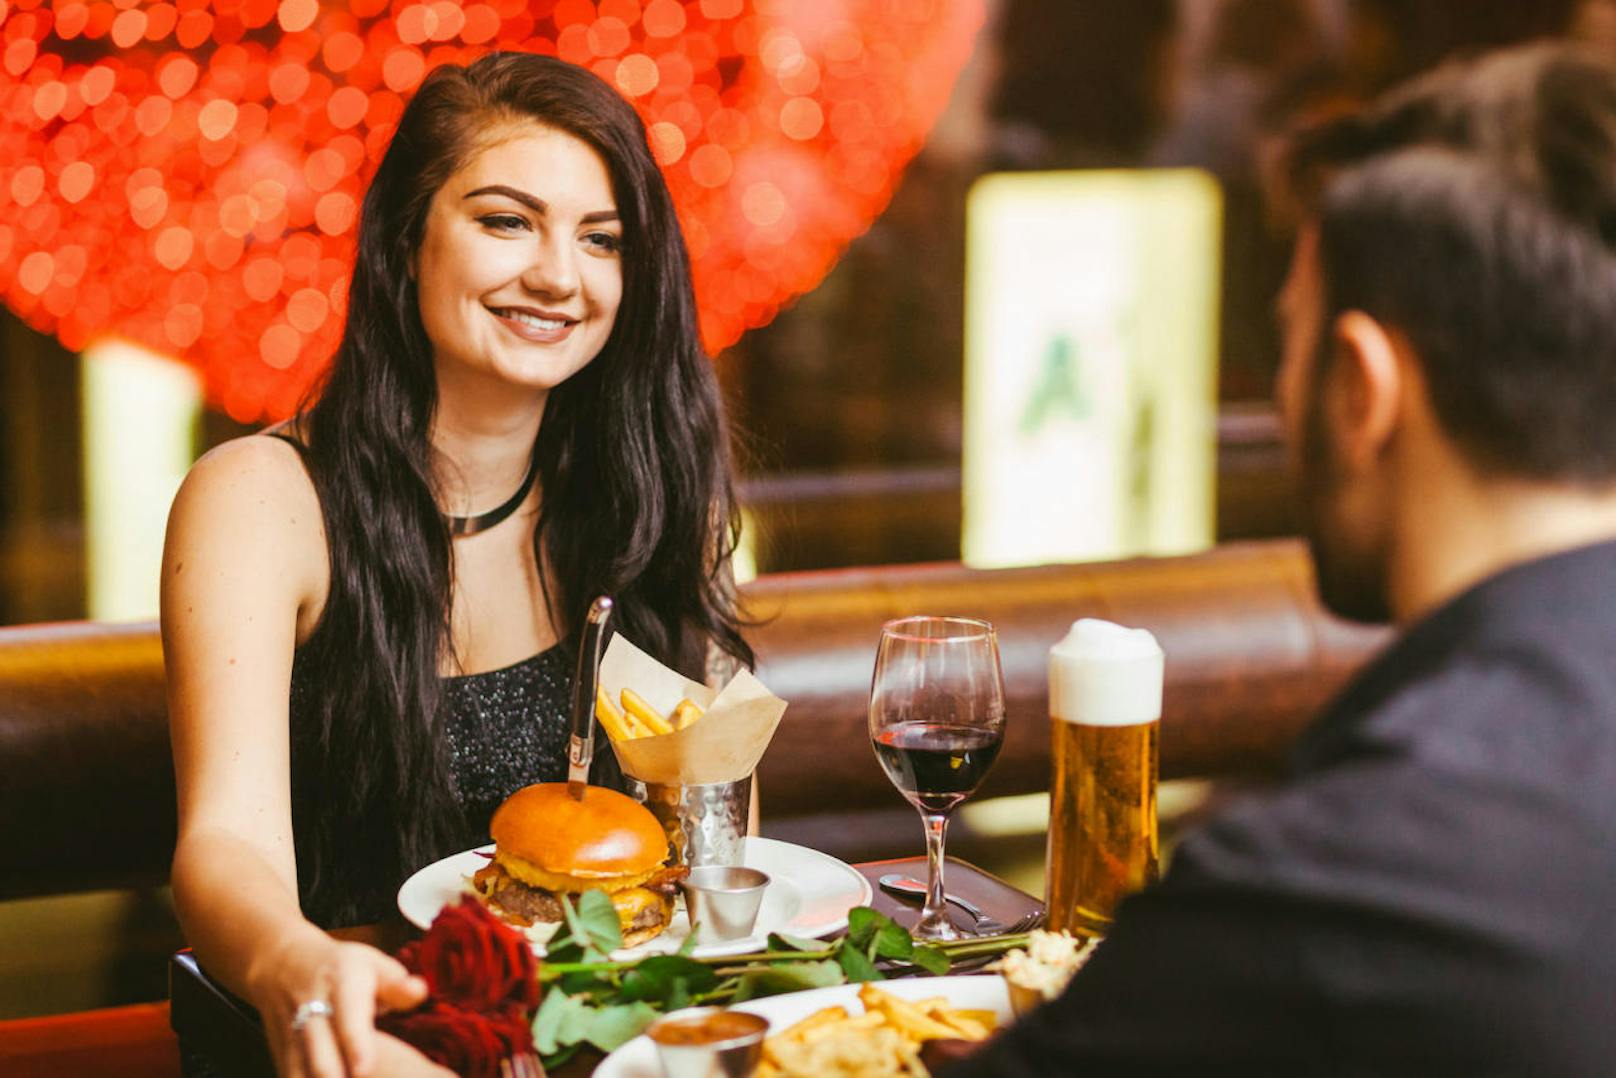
(502, 222)
(604, 241)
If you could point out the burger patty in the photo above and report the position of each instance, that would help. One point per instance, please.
(527, 905)
(520, 903)
(666, 880)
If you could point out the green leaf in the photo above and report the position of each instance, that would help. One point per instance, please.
(931, 959)
(597, 918)
(556, 1014)
(667, 979)
(790, 977)
(610, 1027)
(856, 964)
(553, 1060)
(779, 941)
(892, 941)
(863, 923)
(597, 986)
(688, 947)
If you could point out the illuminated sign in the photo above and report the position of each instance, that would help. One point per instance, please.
(1090, 365)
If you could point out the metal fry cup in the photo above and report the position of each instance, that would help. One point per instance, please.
(722, 902)
(709, 1042)
(706, 823)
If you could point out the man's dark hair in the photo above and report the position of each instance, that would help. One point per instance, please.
(1474, 210)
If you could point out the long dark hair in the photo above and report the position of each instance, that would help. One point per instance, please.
(634, 470)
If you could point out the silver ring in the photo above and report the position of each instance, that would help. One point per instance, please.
(307, 1012)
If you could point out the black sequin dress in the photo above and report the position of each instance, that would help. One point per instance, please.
(506, 728)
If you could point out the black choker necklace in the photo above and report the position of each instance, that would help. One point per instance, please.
(463, 526)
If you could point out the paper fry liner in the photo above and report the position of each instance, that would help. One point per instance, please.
(723, 745)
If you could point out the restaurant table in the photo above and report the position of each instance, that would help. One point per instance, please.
(208, 1016)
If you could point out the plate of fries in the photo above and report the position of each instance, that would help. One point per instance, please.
(853, 1030)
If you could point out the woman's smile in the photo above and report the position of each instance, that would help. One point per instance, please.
(540, 327)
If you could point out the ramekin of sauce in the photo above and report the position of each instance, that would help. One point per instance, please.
(709, 1042)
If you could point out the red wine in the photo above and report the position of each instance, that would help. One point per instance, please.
(937, 765)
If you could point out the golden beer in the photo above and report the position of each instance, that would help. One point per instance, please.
(1102, 820)
(1105, 691)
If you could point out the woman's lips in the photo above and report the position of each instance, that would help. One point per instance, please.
(540, 329)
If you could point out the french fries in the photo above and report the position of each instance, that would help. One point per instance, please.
(637, 718)
(685, 712)
(884, 1040)
(647, 716)
(610, 717)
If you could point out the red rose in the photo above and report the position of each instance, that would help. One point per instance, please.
(470, 1044)
(472, 959)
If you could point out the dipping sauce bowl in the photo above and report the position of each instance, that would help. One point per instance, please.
(709, 1042)
(722, 901)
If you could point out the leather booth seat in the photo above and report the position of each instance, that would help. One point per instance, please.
(86, 782)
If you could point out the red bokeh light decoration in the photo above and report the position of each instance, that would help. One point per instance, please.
(188, 174)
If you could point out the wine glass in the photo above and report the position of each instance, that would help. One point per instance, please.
(937, 721)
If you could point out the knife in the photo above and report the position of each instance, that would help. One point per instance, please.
(581, 749)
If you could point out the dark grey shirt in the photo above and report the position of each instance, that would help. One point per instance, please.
(1433, 891)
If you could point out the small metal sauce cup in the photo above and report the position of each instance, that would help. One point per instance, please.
(734, 1056)
(722, 902)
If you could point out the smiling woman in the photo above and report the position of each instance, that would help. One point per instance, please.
(369, 615)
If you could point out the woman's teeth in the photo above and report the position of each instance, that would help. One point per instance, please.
(534, 320)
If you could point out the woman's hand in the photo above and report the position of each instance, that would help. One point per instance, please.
(319, 998)
(395, 1058)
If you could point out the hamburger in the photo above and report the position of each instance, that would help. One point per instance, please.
(548, 846)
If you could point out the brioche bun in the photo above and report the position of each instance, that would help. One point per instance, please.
(546, 838)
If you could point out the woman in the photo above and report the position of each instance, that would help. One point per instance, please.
(367, 633)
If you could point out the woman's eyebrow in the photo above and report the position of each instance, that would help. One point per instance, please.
(536, 204)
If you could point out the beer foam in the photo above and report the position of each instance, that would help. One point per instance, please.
(1104, 674)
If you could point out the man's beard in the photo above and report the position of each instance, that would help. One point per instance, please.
(1351, 583)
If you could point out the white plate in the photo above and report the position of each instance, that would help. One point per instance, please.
(637, 1058)
(809, 894)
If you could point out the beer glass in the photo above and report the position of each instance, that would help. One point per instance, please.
(1105, 689)
(936, 721)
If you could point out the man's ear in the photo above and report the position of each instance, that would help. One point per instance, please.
(1367, 387)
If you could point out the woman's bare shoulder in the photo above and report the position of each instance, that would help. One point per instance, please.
(250, 502)
(255, 470)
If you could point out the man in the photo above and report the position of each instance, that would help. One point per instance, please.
(1433, 891)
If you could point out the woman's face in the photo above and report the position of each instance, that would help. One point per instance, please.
(519, 270)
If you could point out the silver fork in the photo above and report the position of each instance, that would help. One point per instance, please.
(987, 926)
(525, 1065)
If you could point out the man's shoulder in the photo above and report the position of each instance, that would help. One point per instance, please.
(1474, 786)
(1517, 708)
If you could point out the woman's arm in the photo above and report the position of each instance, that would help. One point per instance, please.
(244, 577)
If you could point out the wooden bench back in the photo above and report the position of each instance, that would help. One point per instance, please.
(87, 786)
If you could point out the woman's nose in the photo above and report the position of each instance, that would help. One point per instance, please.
(552, 269)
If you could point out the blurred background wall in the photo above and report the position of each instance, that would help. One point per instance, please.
(849, 402)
